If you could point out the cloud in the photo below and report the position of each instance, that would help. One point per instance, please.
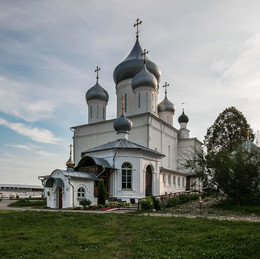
(20, 100)
(25, 147)
(36, 134)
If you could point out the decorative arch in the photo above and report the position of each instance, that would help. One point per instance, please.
(149, 180)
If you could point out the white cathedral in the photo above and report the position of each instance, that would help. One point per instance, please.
(138, 154)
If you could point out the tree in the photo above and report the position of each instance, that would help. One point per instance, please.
(229, 130)
(102, 194)
(228, 164)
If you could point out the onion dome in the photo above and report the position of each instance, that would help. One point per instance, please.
(144, 78)
(166, 105)
(123, 124)
(133, 64)
(97, 92)
(183, 118)
(70, 163)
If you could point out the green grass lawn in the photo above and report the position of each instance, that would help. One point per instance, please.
(31, 234)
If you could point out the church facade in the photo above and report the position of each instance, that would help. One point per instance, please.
(138, 154)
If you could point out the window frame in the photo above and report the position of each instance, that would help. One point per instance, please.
(126, 176)
(81, 193)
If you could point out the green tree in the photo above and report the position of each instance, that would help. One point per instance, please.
(229, 130)
(102, 194)
(228, 164)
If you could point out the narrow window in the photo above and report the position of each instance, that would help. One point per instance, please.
(81, 192)
(126, 176)
(97, 111)
(139, 100)
(146, 101)
(169, 180)
(125, 102)
(169, 156)
(104, 116)
(174, 180)
(179, 181)
(91, 111)
(164, 179)
(183, 181)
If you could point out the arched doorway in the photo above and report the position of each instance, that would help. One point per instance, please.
(148, 181)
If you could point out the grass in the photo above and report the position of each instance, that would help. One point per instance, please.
(31, 234)
(39, 203)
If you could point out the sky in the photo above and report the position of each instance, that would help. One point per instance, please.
(208, 51)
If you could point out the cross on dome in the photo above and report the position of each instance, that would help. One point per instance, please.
(183, 105)
(165, 87)
(96, 70)
(145, 52)
(138, 22)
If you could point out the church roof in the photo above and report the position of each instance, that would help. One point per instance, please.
(122, 144)
(133, 64)
(166, 105)
(97, 92)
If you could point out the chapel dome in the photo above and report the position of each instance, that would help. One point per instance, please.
(183, 118)
(166, 105)
(122, 124)
(133, 64)
(97, 92)
(144, 78)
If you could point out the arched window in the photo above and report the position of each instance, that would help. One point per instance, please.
(174, 180)
(126, 176)
(164, 179)
(139, 100)
(169, 180)
(179, 181)
(81, 192)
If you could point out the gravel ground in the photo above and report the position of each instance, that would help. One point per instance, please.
(192, 210)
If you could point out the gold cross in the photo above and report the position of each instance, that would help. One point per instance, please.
(123, 104)
(138, 22)
(248, 134)
(70, 148)
(165, 86)
(144, 54)
(96, 70)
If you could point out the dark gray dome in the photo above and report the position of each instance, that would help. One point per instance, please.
(166, 105)
(122, 124)
(97, 92)
(183, 118)
(144, 78)
(133, 64)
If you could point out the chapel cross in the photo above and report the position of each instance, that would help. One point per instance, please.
(138, 22)
(144, 54)
(96, 70)
(165, 86)
(248, 134)
(70, 148)
(182, 104)
(123, 104)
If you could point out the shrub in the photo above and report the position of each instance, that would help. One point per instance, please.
(102, 194)
(85, 203)
(184, 198)
(194, 196)
(17, 196)
(156, 203)
(172, 202)
(147, 204)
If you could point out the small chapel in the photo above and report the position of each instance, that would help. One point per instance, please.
(140, 153)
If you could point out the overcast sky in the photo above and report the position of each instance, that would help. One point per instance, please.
(208, 51)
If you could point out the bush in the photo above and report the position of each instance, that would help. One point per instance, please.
(184, 198)
(85, 203)
(156, 203)
(147, 204)
(172, 202)
(102, 194)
